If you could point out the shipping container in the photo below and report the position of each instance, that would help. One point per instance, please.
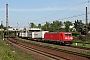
(36, 35)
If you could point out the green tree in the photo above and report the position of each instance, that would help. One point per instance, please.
(79, 26)
(44, 27)
(67, 25)
(39, 26)
(24, 29)
(33, 25)
(53, 27)
(4, 28)
(1, 26)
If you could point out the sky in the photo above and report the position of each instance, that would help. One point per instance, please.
(23, 12)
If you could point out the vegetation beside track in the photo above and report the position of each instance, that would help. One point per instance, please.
(78, 42)
(81, 43)
(9, 53)
(56, 47)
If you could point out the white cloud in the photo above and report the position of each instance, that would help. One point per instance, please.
(39, 9)
(51, 9)
(42, 9)
(2, 9)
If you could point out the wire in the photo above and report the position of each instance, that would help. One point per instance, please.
(69, 8)
(73, 16)
(70, 17)
(65, 9)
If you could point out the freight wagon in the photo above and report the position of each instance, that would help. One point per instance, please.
(23, 34)
(36, 35)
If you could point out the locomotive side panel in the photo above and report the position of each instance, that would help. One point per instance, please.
(62, 37)
(52, 36)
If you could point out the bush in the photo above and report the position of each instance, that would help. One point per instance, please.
(75, 33)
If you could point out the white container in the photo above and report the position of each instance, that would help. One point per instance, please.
(29, 34)
(23, 34)
(20, 34)
(36, 35)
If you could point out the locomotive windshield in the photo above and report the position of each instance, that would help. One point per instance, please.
(68, 34)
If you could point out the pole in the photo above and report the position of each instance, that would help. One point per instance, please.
(86, 24)
(46, 25)
(7, 20)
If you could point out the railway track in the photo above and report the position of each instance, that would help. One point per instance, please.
(47, 52)
(47, 56)
(70, 48)
(52, 56)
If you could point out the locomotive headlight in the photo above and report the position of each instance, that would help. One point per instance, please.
(65, 37)
(71, 38)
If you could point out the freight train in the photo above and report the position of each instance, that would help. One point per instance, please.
(65, 38)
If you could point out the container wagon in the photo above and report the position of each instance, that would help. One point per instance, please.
(36, 35)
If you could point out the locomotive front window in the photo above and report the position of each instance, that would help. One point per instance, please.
(68, 34)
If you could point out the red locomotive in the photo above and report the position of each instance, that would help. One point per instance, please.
(60, 37)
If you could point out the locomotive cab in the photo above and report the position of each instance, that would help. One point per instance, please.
(67, 38)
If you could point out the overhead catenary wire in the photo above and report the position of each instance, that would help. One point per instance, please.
(73, 16)
(70, 17)
(65, 9)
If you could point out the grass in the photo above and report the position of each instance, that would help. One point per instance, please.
(81, 45)
(77, 40)
(56, 47)
(87, 53)
(18, 38)
(86, 41)
(9, 53)
(45, 45)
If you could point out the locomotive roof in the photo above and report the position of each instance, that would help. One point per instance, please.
(57, 32)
